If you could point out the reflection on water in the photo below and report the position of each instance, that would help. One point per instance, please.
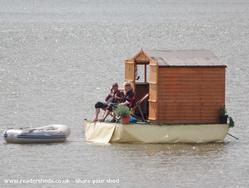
(172, 149)
(164, 153)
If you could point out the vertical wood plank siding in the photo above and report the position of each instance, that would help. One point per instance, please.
(190, 94)
(153, 92)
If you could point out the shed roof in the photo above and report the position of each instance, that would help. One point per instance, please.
(184, 58)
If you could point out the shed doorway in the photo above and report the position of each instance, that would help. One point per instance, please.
(142, 88)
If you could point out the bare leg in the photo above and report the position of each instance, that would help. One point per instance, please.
(114, 118)
(96, 114)
(107, 112)
(104, 113)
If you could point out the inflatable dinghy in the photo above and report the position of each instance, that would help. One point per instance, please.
(46, 134)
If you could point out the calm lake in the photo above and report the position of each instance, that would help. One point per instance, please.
(58, 57)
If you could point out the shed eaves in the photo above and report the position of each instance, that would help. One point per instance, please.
(184, 58)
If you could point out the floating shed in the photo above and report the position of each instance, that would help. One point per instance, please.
(184, 86)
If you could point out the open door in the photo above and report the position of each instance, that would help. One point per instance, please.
(130, 72)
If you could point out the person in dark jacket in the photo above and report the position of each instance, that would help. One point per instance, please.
(111, 101)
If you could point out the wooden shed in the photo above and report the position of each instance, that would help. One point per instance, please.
(186, 86)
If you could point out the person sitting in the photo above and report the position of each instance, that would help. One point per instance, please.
(129, 97)
(113, 98)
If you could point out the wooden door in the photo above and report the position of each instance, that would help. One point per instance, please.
(130, 72)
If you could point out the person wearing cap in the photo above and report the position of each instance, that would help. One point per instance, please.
(112, 99)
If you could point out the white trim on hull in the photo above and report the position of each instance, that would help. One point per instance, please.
(103, 132)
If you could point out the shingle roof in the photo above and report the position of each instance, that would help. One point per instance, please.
(184, 58)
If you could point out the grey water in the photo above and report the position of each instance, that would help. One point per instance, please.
(58, 57)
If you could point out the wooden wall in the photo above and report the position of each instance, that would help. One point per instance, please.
(189, 94)
(153, 88)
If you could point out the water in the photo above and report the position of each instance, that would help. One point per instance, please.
(57, 58)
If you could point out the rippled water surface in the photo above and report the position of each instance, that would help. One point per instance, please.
(57, 58)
